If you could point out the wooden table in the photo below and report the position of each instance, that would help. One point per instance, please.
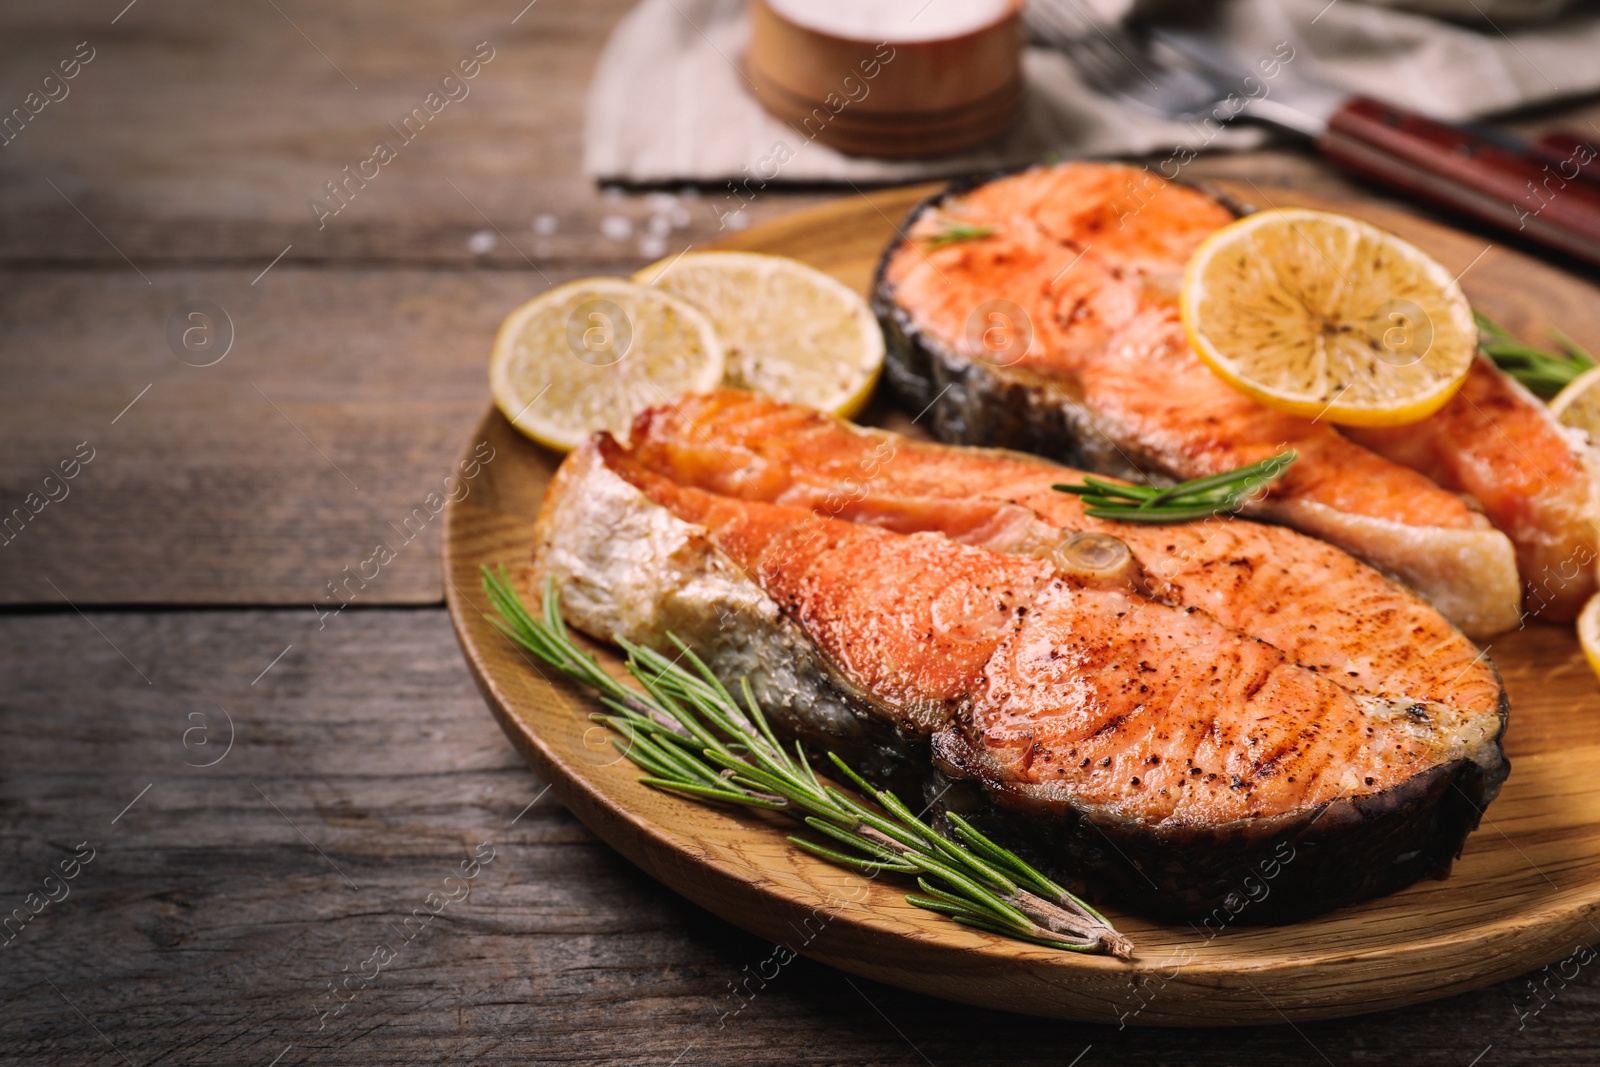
(268, 791)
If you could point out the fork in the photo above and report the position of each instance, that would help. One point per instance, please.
(1187, 76)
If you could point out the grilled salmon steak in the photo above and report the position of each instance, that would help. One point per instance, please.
(1497, 443)
(1161, 712)
(1058, 332)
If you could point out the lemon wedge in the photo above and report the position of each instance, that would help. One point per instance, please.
(1328, 317)
(791, 331)
(589, 354)
(1578, 404)
(1589, 632)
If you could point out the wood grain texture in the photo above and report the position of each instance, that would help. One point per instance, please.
(206, 928)
(1524, 894)
(340, 407)
(202, 131)
(199, 132)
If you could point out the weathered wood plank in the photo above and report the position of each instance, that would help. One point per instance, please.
(345, 401)
(205, 928)
(202, 132)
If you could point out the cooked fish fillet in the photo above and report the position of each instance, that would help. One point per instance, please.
(1497, 443)
(1085, 262)
(1136, 731)
(1326, 609)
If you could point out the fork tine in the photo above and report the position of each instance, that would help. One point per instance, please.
(1063, 23)
(1117, 60)
(1121, 48)
(1101, 68)
(1104, 55)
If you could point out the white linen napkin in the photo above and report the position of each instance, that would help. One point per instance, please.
(668, 102)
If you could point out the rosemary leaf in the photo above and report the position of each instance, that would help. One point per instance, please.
(1160, 516)
(693, 739)
(1545, 373)
(870, 867)
(711, 680)
(1004, 858)
(657, 732)
(906, 836)
(649, 758)
(953, 906)
(957, 232)
(669, 760)
(1569, 346)
(845, 769)
(948, 898)
(952, 852)
(779, 783)
(1198, 498)
(755, 713)
(969, 887)
(805, 765)
(1093, 486)
(708, 793)
(855, 841)
(1047, 942)
(946, 907)
(1228, 483)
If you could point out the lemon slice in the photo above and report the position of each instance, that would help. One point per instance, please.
(589, 354)
(1328, 317)
(1578, 404)
(791, 331)
(1589, 632)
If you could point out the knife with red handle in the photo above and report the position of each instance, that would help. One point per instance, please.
(1547, 192)
(1539, 193)
(1570, 153)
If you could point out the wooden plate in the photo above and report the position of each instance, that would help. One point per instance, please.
(1525, 893)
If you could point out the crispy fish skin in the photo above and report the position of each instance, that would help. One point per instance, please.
(933, 664)
(1110, 383)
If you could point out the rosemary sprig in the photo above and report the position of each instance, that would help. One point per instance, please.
(1199, 498)
(1544, 372)
(691, 737)
(957, 232)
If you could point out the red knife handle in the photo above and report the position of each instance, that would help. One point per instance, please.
(1453, 168)
(1570, 154)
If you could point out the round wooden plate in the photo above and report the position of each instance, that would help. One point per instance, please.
(1524, 894)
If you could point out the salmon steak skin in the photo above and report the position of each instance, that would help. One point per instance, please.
(1057, 331)
(1156, 714)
